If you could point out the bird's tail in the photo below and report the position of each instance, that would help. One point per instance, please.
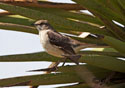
(94, 45)
(74, 58)
(86, 45)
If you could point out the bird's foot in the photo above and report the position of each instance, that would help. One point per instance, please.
(64, 61)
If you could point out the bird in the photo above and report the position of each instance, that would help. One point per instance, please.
(57, 44)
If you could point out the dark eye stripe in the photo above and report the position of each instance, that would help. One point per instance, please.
(43, 23)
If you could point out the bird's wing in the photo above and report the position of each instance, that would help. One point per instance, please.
(62, 42)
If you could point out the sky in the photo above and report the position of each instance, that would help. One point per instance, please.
(12, 42)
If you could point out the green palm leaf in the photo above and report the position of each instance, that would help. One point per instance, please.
(54, 20)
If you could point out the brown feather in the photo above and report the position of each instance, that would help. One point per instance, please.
(62, 42)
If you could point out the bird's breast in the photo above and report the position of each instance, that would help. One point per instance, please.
(44, 37)
(49, 48)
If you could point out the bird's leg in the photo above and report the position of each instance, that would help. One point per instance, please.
(73, 58)
(53, 67)
(64, 61)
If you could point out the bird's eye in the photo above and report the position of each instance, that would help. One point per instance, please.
(42, 23)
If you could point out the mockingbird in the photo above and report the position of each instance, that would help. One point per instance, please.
(57, 44)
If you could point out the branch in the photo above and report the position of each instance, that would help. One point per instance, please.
(43, 4)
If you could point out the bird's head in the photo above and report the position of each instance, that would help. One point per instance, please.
(42, 25)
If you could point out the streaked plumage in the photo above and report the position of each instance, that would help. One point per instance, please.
(57, 44)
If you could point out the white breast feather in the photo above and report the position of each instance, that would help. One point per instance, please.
(49, 48)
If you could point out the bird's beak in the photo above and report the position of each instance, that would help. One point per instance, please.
(32, 24)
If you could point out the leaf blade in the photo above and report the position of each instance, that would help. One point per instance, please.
(115, 43)
(44, 79)
(58, 21)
